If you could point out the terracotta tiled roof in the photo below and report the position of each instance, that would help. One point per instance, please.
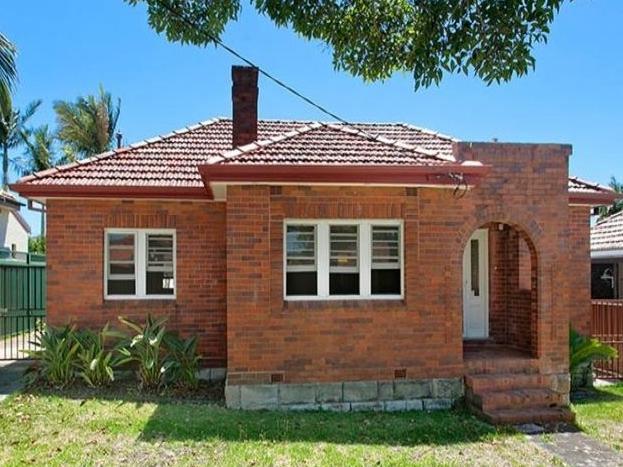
(171, 160)
(577, 185)
(607, 234)
(335, 144)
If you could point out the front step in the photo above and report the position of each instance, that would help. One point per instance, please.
(489, 401)
(510, 365)
(501, 381)
(510, 391)
(529, 415)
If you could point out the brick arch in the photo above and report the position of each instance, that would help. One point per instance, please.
(520, 306)
(527, 226)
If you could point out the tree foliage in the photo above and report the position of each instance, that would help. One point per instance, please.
(375, 38)
(617, 206)
(87, 126)
(8, 70)
(38, 152)
(14, 132)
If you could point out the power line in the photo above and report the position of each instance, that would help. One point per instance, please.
(459, 178)
(236, 54)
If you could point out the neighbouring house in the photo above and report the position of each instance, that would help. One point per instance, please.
(375, 266)
(14, 230)
(607, 258)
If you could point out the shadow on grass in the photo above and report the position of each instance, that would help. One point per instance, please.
(203, 417)
(598, 395)
(202, 423)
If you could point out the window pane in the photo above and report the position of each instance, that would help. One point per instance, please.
(160, 278)
(386, 282)
(121, 287)
(344, 256)
(301, 283)
(344, 283)
(475, 265)
(344, 260)
(121, 268)
(301, 247)
(385, 276)
(385, 247)
(121, 264)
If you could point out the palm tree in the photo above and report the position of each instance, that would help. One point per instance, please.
(39, 151)
(615, 207)
(38, 156)
(8, 71)
(13, 132)
(87, 126)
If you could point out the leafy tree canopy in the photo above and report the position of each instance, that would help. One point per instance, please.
(373, 39)
(617, 206)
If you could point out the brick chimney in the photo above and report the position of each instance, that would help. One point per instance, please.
(244, 94)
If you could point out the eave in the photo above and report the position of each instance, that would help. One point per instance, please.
(593, 199)
(102, 191)
(380, 175)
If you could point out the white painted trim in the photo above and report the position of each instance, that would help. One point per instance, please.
(140, 257)
(365, 258)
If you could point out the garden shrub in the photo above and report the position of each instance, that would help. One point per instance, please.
(183, 353)
(583, 351)
(147, 350)
(96, 361)
(56, 355)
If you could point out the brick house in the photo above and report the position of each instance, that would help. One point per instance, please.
(345, 267)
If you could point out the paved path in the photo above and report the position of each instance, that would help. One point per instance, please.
(11, 373)
(577, 449)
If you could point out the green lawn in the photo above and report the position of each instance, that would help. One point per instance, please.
(600, 414)
(83, 427)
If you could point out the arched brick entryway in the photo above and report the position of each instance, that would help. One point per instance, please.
(511, 288)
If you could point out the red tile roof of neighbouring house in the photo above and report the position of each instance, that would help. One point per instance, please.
(607, 234)
(168, 165)
(585, 192)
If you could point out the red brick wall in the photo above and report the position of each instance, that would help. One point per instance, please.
(512, 314)
(348, 340)
(75, 270)
(580, 268)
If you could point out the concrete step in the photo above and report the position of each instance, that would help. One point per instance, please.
(529, 415)
(479, 366)
(518, 399)
(500, 381)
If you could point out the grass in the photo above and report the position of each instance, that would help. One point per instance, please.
(599, 413)
(89, 427)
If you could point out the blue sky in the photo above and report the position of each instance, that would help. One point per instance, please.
(67, 48)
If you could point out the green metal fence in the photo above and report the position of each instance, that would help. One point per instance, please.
(22, 292)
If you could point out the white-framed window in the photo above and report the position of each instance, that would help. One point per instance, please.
(139, 263)
(343, 259)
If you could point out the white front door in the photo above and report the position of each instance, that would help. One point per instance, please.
(476, 286)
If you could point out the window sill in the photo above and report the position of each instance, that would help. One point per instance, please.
(350, 303)
(135, 298)
(140, 302)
